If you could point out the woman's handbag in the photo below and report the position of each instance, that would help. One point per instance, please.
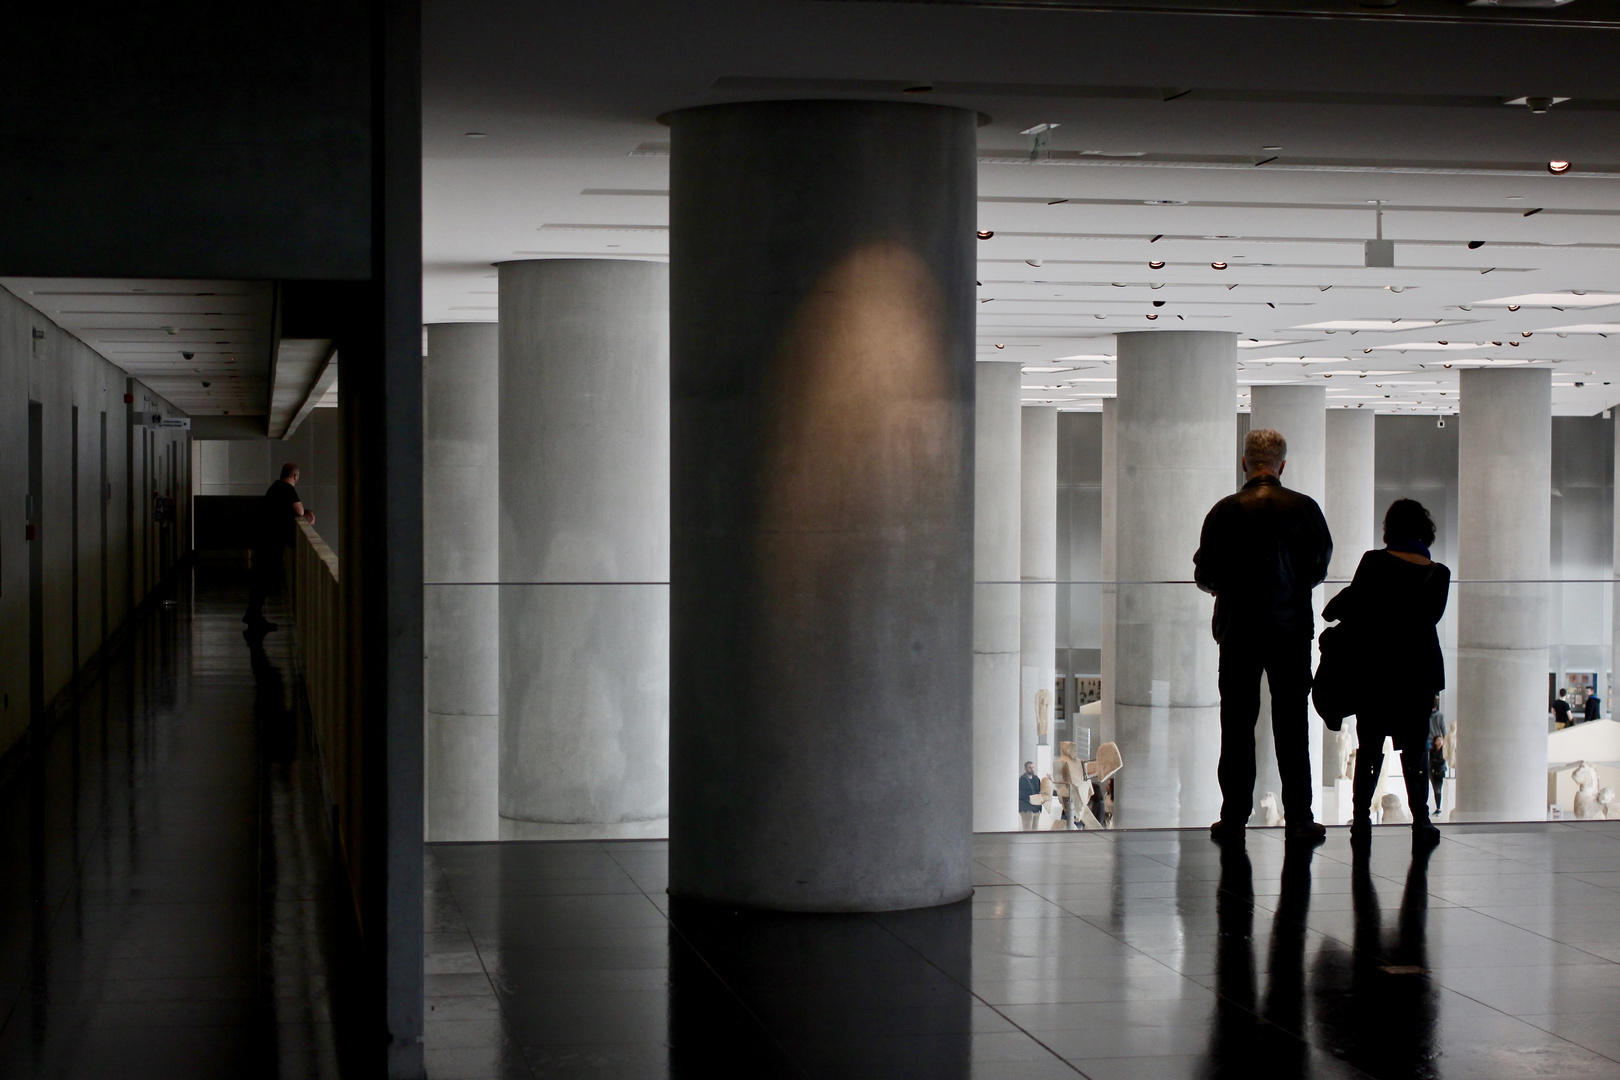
(1335, 692)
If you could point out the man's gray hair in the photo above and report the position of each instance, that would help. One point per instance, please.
(1264, 448)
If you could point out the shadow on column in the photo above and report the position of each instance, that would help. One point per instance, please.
(771, 994)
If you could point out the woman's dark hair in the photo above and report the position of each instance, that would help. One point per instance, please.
(1407, 522)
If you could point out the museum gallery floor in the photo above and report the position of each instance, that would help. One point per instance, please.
(1106, 955)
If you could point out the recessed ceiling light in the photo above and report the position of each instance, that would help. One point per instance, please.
(1000, 346)
(477, 135)
(917, 88)
(1156, 264)
(985, 234)
(1151, 315)
(1513, 197)
(1475, 245)
(1513, 307)
(1217, 266)
(1164, 202)
(1271, 148)
(1558, 168)
(1158, 303)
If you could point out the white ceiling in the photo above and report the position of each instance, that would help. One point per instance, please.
(570, 161)
(202, 345)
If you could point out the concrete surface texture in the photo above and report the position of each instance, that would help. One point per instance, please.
(1503, 559)
(461, 564)
(996, 561)
(1175, 437)
(584, 540)
(822, 595)
(1037, 617)
(1300, 413)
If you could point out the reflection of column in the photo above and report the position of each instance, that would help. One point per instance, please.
(584, 362)
(1175, 435)
(1300, 413)
(461, 490)
(1109, 561)
(997, 438)
(822, 326)
(1503, 524)
(1038, 602)
(1607, 690)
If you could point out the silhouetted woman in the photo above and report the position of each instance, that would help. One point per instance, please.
(1391, 608)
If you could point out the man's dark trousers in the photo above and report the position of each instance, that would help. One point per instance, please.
(1286, 662)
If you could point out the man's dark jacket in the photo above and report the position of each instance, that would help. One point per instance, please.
(1028, 785)
(1261, 553)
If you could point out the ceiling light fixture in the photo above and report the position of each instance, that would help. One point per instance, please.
(1158, 303)
(1156, 238)
(985, 234)
(1475, 245)
(1271, 148)
(1513, 307)
(477, 135)
(1151, 315)
(1000, 346)
(917, 88)
(1217, 266)
(1558, 168)
(1156, 264)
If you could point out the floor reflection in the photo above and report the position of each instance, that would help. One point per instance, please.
(1113, 956)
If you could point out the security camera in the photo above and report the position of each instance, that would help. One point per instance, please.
(188, 355)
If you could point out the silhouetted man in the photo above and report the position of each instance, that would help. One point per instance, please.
(1262, 551)
(279, 509)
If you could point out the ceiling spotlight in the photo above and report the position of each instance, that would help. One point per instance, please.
(1475, 245)
(917, 88)
(1158, 303)
(1156, 238)
(1515, 344)
(206, 384)
(1271, 148)
(1217, 266)
(1498, 344)
(188, 355)
(985, 234)
(1525, 333)
(1000, 346)
(1558, 168)
(1032, 262)
(1513, 307)
(1538, 105)
(477, 135)
(1445, 343)
(1156, 264)
(1151, 315)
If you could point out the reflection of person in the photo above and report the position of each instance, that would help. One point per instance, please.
(1029, 784)
(1392, 606)
(273, 534)
(1261, 553)
(1594, 707)
(1561, 709)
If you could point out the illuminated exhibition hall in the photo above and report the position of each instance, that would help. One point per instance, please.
(959, 539)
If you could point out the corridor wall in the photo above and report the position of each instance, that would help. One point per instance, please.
(102, 549)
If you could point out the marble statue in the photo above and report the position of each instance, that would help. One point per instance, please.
(1606, 799)
(1043, 714)
(1345, 744)
(1587, 806)
(1393, 812)
(1269, 813)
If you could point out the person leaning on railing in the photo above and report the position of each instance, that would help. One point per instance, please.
(1391, 607)
(278, 511)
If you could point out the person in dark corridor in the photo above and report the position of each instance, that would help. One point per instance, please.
(273, 534)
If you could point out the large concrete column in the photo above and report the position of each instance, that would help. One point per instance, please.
(1176, 430)
(1038, 570)
(1109, 564)
(822, 263)
(1503, 525)
(460, 564)
(584, 526)
(1300, 413)
(996, 566)
(1349, 502)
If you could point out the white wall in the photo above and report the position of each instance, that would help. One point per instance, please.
(60, 373)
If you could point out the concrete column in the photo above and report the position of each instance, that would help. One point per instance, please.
(460, 564)
(1038, 570)
(1109, 562)
(822, 265)
(997, 556)
(1504, 493)
(1349, 499)
(584, 537)
(1176, 428)
(1300, 413)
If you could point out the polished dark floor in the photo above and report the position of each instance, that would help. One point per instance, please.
(1110, 956)
(165, 906)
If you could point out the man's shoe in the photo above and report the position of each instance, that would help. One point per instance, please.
(1222, 831)
(1309, 831)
